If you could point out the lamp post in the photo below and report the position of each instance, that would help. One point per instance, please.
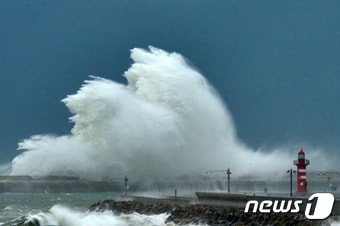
(228, 172)
(330, 173)
(291, 181)
(126, 184)
(330, 187)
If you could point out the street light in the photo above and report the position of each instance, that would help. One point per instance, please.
(228, 172)
(330, 186)
(126, 185)
(329, 178)
(291, 181)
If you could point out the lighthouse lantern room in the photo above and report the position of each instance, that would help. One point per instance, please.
(301, 164)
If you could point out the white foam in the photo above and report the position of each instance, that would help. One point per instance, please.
(60, 215)
(167, 121)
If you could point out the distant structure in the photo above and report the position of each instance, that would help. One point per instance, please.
(301, 164)
(126, 185)
(228, 172)
(55, 184)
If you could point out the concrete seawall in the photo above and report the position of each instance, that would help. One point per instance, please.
(182, 201)
(242, 199)
(54, 184)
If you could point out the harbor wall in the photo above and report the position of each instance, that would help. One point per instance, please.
(242, 199)
(54, 184)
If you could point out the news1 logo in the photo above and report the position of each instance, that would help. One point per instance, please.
(318, 207)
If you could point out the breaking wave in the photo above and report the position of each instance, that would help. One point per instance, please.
(167, 121)
(60, 215)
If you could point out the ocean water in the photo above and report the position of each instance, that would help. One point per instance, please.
(68, 209)
(14, 205)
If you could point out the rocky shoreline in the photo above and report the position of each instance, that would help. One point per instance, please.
(182, 213)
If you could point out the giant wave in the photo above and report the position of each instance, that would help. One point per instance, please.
(167, 121)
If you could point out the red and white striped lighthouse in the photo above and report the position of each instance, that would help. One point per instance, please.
(301, 164)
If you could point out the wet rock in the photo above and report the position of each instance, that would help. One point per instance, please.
(201, 214)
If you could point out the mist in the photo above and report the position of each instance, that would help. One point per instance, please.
(166, 122)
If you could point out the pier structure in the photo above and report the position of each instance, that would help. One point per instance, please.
(55, 184)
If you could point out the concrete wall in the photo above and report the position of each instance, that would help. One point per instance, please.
(68, 186)
(242, 199)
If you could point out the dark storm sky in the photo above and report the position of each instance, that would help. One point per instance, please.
(275, 63)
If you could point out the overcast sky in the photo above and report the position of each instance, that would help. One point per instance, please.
(276, 64)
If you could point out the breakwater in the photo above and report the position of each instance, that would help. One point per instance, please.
(55, 184)
(242, 199)
(194, 211)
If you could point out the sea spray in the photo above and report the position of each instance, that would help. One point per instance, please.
(167, 121)
(62, 216)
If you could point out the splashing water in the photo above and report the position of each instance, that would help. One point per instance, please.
(167, 121)
(60, 215)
